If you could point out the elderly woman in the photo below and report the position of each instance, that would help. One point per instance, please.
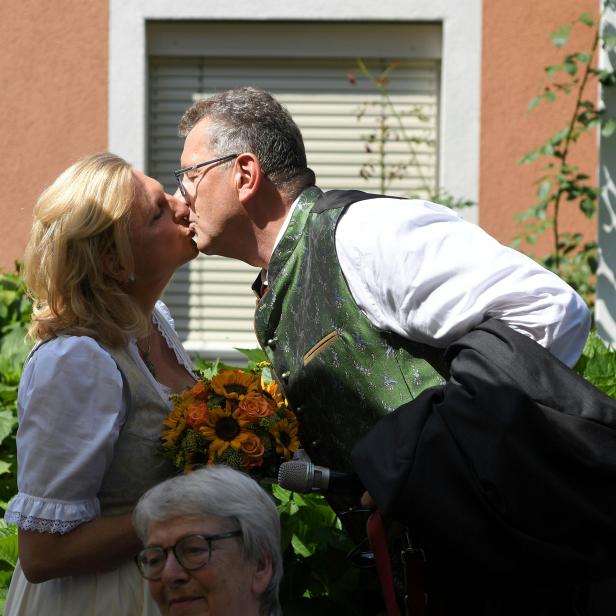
(212, 545)
(104, 244)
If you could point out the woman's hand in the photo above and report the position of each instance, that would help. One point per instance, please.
(96, 546)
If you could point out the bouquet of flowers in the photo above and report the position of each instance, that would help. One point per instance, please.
(238, 417)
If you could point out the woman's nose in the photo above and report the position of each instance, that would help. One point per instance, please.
(173, 572)
(179, 207)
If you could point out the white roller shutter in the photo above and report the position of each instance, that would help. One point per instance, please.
(211, 298)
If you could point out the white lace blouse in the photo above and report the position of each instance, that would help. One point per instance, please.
(71, 408)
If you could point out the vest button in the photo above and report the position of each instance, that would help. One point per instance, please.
(272, 342)
(285, 376)
(315, 444)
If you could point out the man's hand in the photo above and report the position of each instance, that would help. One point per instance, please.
(367, 502)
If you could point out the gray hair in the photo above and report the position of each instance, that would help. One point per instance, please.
(225, 493)
(252, 120)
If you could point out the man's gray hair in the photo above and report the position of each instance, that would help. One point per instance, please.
(252, 120)
(224, 493)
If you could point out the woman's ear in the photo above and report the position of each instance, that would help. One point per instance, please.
(112, 267)
(248, 176)
(262, 576)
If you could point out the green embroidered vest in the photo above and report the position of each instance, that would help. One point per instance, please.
(340, 373)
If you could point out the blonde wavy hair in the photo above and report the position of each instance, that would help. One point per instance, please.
(81, 222)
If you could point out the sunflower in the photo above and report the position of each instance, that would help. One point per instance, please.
(176, 423)
(285, 434)
(224, 428)
(234, 384)
(273, 391)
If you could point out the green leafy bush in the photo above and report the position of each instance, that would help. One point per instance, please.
(15, 309)
(318, 575)
(598, 364)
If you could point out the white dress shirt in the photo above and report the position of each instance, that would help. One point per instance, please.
(417, 269)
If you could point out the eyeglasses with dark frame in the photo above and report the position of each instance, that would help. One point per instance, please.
(192, 552)
(180, 172)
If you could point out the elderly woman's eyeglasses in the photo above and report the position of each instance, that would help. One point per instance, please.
(192, 552)
(186, 174)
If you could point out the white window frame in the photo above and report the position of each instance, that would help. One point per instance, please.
(605, 307)
(460, 87)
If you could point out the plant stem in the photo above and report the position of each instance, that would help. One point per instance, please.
(568, 140)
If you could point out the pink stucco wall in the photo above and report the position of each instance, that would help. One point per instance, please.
(53, 106)
(516, 48)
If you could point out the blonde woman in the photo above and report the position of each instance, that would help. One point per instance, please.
(105, 241)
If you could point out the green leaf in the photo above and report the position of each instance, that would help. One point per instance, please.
(532, 104)
(586, 18)
(608, 127)
(598, 364)
(8, 544)
(255, 355)
(561, 36)
(8, 422)
(13, 345)
(583, 57)
(609, 41)
(549, 96)
(544, 189)
(588, 207)
(570, 67)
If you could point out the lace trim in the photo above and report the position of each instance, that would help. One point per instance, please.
(39, 524)
(163, 327)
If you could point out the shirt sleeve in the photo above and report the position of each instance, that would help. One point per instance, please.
(71, 407)
(426, 274)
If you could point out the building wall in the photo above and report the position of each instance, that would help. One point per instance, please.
(516, 48)
(53, 107)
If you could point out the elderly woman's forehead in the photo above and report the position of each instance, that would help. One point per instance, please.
(171, 529)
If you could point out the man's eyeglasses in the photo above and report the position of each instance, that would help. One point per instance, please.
(192, 552)
(183, 175)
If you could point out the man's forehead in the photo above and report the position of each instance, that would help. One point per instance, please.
(197, 144)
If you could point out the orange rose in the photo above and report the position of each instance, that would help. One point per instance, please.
(197, 415)
(253, 448)
(255, 407)
(199, 391)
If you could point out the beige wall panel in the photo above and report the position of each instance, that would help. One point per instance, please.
(53, 108)
(516, 48)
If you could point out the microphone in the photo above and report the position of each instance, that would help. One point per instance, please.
(302, 476)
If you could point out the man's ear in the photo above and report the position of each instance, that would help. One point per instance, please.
(262, 576)
(248, 176)
(112, 267)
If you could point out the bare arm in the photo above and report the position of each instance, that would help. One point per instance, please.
(93, 547)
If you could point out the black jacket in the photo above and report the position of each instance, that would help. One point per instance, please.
(505, 476)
